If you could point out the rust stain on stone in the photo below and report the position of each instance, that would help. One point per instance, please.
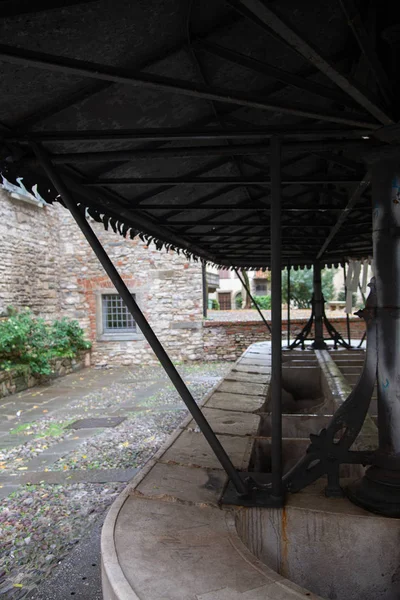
(284, 545)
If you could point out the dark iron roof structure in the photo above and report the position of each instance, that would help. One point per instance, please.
(159, 116)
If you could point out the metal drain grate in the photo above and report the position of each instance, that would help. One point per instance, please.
(95, 422)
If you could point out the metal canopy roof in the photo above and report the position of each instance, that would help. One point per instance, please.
(159, 116)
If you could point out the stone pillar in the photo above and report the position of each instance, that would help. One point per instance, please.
(318, 299)
(379, 489)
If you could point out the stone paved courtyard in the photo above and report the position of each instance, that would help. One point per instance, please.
(57, 477)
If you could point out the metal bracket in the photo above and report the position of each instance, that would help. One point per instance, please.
(331, 447)
(259, 486)
(332, 331)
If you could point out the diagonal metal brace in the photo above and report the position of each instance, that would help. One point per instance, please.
(176, 379)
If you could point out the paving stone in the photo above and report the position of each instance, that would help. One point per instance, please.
(181, 552)
(229, 422)
(200, 486)
(265, 362)
(251, 377)
(257, 369)
(78, 476)
(235, 402)
(192, 449)
(96, 422)
(243, 387)
(54, 453)
(7, 489)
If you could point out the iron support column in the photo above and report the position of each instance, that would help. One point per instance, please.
(141, 320)
(379, 489)
(276, 319)
(345, 295)
(205, 289)
(319, 343)
(288, 305)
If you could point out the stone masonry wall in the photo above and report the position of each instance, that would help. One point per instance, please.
(167, 286)
(46, 264)
(225, 340)
(29, 253)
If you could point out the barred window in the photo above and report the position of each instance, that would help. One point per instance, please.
(116, 317)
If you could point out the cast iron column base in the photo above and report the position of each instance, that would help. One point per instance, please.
(378, 491)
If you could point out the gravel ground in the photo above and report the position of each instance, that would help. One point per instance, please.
(39, 524)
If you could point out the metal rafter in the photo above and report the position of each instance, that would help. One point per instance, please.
(122, 76)
(13, 8)
(355, 196)
(364, 41)
(199, 151)
(190, 133)
(272, 21)
(284, 76)
(239, 181)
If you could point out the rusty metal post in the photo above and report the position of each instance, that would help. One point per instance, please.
(288, 305)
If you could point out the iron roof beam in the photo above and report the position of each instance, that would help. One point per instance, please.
(231, 150)
(122, 76)
(13, 8)
(274, 22)
(246, 205)
(184, 135)
(239, 181)
(285, 77)
(364, 41)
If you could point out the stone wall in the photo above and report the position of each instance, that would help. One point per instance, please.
(12, 382)
(227, 340)
(167, 287)
(46, 264)
(29, 252)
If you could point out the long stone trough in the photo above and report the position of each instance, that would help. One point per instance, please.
(167, 538)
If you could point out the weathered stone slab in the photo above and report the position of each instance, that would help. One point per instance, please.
(95, 422)
(229, 422)
(192, 449)
(253, 360)
(252, 369)
(239, 402)
(251, 377)
(173, 482)
(87, 476)
(52, 454)
(243, 387)
(181, 552)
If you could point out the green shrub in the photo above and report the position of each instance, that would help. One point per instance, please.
(214, 304)
(28, 343)
(263, 302)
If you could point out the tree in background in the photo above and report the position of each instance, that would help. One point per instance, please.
(301, 286)
(247, 303)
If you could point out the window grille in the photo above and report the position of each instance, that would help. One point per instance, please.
(116, 317)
